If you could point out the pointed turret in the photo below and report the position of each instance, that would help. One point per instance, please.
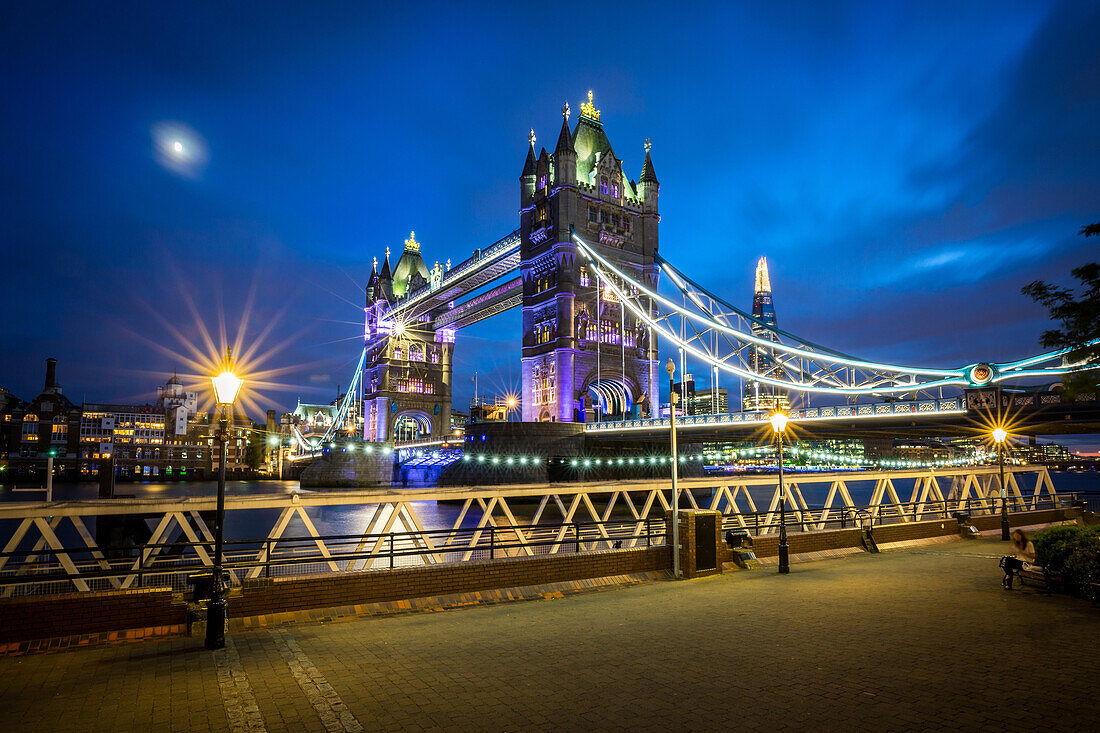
(372, 282)
(647, 183)
(648, 174)
(565, 155)
(385, 277)
(527, 178)
(529, 164)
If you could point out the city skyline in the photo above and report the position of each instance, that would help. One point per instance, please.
(952, 177)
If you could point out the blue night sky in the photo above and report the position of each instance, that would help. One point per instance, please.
(905, 167)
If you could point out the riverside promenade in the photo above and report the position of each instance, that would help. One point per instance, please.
(917, 639)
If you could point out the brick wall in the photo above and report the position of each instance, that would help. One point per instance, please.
(290, 594)
(798, 542)
(70, 614)
(1020, 519)
(835, 539)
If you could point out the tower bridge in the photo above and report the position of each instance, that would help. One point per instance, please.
(597, 297)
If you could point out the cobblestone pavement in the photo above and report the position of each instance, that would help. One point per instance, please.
(923, 638)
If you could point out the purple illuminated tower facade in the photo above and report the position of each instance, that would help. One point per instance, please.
(406, 381)
(585, 356)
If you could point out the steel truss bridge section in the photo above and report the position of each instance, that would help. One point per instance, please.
(614, 515)
(746, 422)
(709, 329)
(501, 298)
(480, 269)
(311, 446)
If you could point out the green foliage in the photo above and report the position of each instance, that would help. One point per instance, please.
(1071, 551)
(1053, 546)
(1079, 315)
(1083, 564)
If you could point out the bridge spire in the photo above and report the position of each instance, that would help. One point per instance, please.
(529, 164)
(588, 109)
(648, 174)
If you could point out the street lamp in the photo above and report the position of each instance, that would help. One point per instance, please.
(999, 436)
(227, 386)
(779, 424)
(671, 369)
(511, 403)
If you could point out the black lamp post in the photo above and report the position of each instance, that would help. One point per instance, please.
(999, 435)
(671, 369)
(226, 387)
(779, 424)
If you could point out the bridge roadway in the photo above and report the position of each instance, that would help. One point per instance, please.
(480, 269)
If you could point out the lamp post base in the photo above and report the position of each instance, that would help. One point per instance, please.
(215, 623)
(1004, 528)
(784, 559)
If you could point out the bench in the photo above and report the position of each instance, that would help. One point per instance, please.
(1014, 569)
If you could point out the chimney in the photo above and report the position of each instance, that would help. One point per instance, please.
(51, 381)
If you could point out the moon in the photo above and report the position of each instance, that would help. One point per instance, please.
(179, 149)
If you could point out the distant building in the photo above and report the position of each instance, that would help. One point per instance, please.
(133, 435)
(179, 406)
(760, 396)
(30, 431)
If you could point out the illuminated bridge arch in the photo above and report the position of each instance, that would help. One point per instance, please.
(611, 395)
(411, 425)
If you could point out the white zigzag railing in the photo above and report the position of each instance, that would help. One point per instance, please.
(564, 518)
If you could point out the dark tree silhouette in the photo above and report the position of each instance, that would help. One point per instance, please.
(1079, 315)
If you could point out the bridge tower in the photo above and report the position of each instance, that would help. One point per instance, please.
(582, 354)
(407, 369)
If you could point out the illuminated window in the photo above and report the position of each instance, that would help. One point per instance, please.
(615, 190)
(544, 384)
(603, 186)
(542, 181)
(60, 431)
(585, 281)
(416, 352)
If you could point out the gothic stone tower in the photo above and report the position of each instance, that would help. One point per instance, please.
(407, 372)
(581, 351)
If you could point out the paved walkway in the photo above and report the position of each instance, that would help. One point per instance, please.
(922, 638)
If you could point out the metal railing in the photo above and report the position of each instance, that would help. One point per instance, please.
(801, 519)
(40, 571)
(433, 524)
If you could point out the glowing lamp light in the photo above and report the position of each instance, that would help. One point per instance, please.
(511, 402)
(226, 387)
(999, 435)
(779, 422)
(177, 146)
